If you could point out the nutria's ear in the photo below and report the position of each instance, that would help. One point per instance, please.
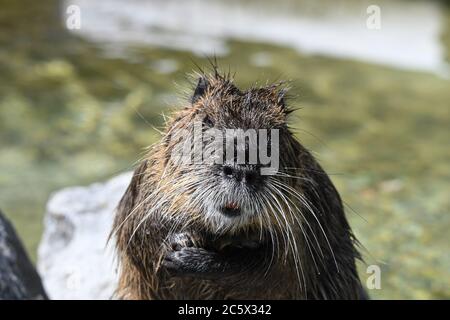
(200, 90)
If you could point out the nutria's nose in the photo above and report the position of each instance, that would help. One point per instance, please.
(242, 173)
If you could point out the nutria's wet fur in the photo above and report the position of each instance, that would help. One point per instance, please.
(294, 242)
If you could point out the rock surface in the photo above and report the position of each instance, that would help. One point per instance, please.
(74, 258)
(18, 277)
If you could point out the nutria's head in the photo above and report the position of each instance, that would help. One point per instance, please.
(226, 152)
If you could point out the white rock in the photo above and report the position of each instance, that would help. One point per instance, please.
(74, 258)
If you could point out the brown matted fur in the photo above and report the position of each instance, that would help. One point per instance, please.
(305, 247)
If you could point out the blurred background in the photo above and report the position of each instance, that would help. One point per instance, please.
(79, 102)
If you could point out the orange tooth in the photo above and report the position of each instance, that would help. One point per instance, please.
(232, 205)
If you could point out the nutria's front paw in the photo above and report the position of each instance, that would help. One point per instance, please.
(183, 254)
(182, 240)
(187, 261)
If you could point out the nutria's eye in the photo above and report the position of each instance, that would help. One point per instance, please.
(208, 122)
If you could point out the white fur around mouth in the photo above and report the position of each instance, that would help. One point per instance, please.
(222, 222)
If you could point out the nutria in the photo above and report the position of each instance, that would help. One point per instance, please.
(196, 230)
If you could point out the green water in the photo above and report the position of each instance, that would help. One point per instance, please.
(69, 115)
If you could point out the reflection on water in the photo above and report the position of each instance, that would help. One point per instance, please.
(408, 38)
(72, 113)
